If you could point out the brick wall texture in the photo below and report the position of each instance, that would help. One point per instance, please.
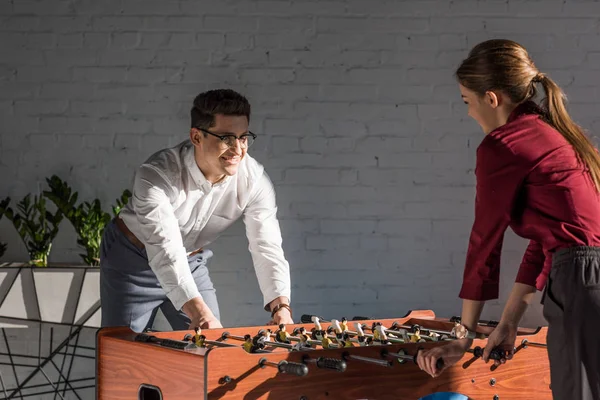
(360, 123)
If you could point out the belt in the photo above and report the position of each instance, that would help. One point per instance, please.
(128, 234)
(135, 241)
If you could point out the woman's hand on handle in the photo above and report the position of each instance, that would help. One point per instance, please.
(502, 338)
(505, 334)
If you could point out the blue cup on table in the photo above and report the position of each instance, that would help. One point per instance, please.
(445, 396)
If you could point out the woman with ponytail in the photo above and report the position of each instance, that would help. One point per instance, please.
(538, 173)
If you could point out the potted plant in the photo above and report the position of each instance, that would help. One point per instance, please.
(88, 218)
(36, 226)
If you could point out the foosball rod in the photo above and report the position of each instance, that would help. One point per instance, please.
(215, 343)
(326, 363)
(406, 357)
(320, 362)
(397, 325)
(296, 339)
(526, 343)
(400, 326)
(285, 367)
(336, 345)
(170, 343)
(482, 322)
(227, 335)
(395, 333)
(381, 363)
(367, 335)
(407, 327)
(495, 354)
(218, 344)
(317, 342)
(336, 364)
(350, 333)
(284, 345)
(347, 356)
(306, 318)
(340, 365)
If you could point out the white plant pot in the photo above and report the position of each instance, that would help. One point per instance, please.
(63, 294)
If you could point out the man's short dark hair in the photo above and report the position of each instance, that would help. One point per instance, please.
(219, 101)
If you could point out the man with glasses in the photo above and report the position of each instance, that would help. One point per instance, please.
(184, 197)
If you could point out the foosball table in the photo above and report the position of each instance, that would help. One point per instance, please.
(316, 359)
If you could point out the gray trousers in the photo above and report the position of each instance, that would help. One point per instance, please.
(572, 309)
(130, 294)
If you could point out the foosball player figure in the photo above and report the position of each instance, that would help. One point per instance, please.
(281, 335)
(345, 341)
(362, 340)
(263, 335)
(316, 329)
(313, 334)
(344, 324)
(303, 339)
(434, 336)
(303, 336)
(382, 337)
(403, 334)
(416, 336)
(198, 338)
(330, 330)
(325, 341)
(266, 336)
(335, 324)
(337, 330)
(375, 332)
(248, 345)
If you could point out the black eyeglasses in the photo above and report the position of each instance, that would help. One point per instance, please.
(245, 140)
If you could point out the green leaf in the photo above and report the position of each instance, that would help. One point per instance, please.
(36, 226)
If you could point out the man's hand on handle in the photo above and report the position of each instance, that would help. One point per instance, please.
(200, 315)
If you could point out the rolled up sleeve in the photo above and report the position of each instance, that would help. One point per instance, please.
(532, 264)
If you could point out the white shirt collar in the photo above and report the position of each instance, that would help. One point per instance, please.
(196, 173)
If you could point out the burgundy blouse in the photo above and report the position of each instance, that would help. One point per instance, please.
(528, 178)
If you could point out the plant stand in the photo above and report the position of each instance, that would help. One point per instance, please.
(60, 306)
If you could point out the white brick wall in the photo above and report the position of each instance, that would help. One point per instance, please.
(359, 119)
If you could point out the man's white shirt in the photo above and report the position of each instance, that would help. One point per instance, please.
(174, 210)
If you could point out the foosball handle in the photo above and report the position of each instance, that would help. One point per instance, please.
(483, 322)
(495, 354)
(307, 318)
(143, 337)
(292, 368)
(331, 363)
